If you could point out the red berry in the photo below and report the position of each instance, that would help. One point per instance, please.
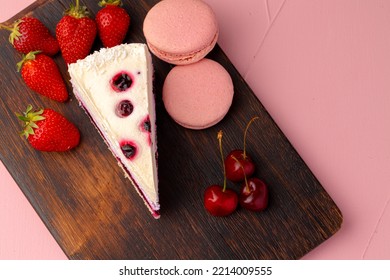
(238, 163)
(112, 22)
(254, 195)
(76, 33)
(46, 130)
(237, 166)
(41, 74)
(219, 202)
(30, 34)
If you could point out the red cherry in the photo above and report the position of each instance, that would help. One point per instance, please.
(254, 195)
(219, 202)
(238, 166)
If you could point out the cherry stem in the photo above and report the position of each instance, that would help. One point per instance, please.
(243, 170)
(219, 136)
(246, 130)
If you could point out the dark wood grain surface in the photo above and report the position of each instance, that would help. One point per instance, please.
(94, 213)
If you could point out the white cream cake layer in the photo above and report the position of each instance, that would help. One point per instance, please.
(91, 79)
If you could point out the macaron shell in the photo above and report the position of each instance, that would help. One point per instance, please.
(185, 58)
(177, 28)
(198, 95)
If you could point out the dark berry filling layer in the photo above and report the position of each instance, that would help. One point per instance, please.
(124, 108)
(145, 126)
(121, 81)
(129, 149)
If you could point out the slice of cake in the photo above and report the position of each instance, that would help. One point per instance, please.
(115, 88)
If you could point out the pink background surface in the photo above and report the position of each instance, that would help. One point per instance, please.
(322, 70)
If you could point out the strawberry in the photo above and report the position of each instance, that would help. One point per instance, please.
(112, 22)
(41, 74)
(76, 33)
(49, 131)
(30, 34)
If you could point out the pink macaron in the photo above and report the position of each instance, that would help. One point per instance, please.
(181, 31)
(198, 95)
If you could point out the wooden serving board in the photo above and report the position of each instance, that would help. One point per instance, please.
(94, 213)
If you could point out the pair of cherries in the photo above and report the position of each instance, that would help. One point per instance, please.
(237, 167)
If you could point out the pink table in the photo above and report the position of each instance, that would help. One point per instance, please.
(322, 69)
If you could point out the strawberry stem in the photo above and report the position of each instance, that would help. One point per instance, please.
(2, 26)
(243, 170)
(219, 136)
(15, 33)
(77, 11)
(246, 130)
(104, 3)
(30, 118)
(26, 57)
